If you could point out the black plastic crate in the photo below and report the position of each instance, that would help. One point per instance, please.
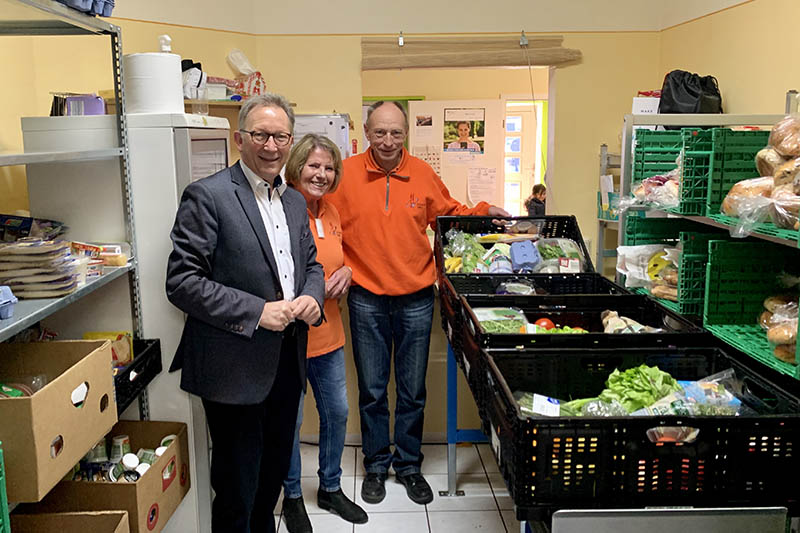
(562, 462)
(146, 365)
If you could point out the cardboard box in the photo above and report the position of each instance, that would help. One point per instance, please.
(45, 435)
(151, 500)
(94, 522)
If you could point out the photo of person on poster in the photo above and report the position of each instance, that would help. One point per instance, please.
(464, 130)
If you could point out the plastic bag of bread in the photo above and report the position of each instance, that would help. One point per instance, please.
(768, 160)
(785, 207)
(744, 190)
(786, 353)
(785, 136)
(786, 172)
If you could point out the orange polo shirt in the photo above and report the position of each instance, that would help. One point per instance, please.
(327, 233)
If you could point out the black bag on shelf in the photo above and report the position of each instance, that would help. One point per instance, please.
(685, 92)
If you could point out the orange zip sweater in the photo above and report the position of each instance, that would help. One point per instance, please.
(384, 217)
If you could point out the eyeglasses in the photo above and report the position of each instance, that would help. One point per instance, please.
(397, 135)
(261, 137)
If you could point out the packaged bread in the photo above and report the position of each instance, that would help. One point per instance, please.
(786, 353)
(786, 172)
(777, 303)
(783, 333)
(768, 160)
(765, 320)
(664, 291)
(785, 137)
(732, 204)
(785, 207)
(670, 275)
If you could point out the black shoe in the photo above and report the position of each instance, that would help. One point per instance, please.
(417, 488)
(295, 516)
(373, 489)
(338, 503)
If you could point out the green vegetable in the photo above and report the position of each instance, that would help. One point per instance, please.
(503, 326)
(638, 387)
(550, 251)
(565, 329)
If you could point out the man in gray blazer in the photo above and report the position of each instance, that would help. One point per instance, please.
(243, 268)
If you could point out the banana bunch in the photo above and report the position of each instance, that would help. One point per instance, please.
(452, 265)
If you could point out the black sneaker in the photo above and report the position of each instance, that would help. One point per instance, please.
(338, 503)
(417, 488)
(373, 490)
(295, 516)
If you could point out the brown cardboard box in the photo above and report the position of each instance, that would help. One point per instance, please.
(45, 435)
(94, 522)
(151, 500)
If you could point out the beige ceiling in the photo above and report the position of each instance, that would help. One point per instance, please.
(421, 16)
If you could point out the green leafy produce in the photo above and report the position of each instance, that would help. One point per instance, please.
(504, 326)
(550, 251)
(565, 329)
(638, 387)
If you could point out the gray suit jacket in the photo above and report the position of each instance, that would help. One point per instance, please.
(220, 273)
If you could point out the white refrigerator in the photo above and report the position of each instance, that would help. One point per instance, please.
(167, 152)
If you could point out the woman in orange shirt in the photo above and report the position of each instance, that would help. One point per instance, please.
(314, 168)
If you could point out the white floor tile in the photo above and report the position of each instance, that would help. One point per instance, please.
(395, 523)
(501, 494)
(450, 522)
(326, 523)
(435, 462)
(489, 461)
(396, 500)
(309, 460)
(310, 486)
(477, 494)
(511, 522)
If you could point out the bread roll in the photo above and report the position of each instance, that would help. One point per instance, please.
(785, 207)
(786, 172)
(786, 352)
(670, 275)
(783, 333)
(772, 303)
(765, 320)
(785, 137)
(767, 161)
(746, 189)
(665, 291)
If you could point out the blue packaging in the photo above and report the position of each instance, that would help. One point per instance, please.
(524, 256)
(7, 302)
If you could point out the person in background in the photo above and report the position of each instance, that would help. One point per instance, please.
(535, 203)
(464, 142)
(243, 268)
(387, 199)
(314, 169)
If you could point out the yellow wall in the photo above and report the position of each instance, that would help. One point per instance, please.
(751, 49)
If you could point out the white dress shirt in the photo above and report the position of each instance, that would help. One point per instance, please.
(271, 208)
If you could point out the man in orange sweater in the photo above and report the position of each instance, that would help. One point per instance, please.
(386, 200)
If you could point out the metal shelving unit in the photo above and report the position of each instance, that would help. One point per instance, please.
(607, 161)
(48, 17)
(701, 120)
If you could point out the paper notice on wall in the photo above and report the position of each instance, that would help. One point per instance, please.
(481, 184)
(431, 155)
(423, 126)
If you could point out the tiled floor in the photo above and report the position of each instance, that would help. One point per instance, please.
(486, 505)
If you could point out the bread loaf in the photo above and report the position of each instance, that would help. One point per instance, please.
(785, 137)
(670, 276)
(785, 207)
(746, 189)
(786, 352)
(772, 303)
(783, 333)
(665, 291)
(786, 172)
(765, 320)
(767, 161)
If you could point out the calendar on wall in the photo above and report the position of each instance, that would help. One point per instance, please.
(431, 155)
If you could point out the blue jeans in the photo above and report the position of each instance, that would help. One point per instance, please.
(377, 324)
(326, 374)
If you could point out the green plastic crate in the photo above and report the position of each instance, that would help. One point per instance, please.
(646, 230)
(751, 339)
(739, 276)
(732, 160)
(655, 153)
(692, 271)
(669, 304)
(765, 228)
(5, 523)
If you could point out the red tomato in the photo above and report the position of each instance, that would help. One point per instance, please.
(545, 323)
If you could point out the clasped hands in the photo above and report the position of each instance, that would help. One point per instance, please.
(277, 315)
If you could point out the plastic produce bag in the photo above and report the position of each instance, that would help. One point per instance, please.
(21, 386)
(501, 319)
(641, 264)
(785, 136)
(710, 396)
(522, 287)
(660, 191)
(239, 63)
